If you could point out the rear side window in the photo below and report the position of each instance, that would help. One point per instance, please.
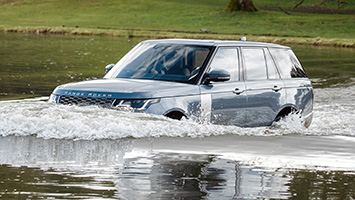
(254, 62)
(271, 68)
(288, 63)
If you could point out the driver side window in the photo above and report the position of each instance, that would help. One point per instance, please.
(227, 59)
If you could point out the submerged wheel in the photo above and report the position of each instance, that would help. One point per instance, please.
(285, 112)
(175, 115)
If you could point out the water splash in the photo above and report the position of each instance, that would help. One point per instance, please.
(35, 117)
(333, 115)
(334, 112)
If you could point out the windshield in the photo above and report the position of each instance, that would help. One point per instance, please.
(168, 62)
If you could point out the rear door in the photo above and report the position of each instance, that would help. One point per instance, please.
(264, 87)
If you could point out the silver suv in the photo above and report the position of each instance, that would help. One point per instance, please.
(224, 82)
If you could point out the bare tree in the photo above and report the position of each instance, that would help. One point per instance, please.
(293, 9)
(241, 5)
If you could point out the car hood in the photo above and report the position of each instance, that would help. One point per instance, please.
(126, 89)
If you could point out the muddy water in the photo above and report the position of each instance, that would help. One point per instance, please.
(60, 152)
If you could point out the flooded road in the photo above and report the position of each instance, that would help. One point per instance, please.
(64, 152)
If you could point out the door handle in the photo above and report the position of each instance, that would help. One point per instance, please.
(238, 91)
(276, 88)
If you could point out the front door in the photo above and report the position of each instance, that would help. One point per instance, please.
(225, 102)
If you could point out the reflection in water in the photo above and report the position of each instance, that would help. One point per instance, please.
(34, 183)
(321, 184)
(39, 168)
(32, 151)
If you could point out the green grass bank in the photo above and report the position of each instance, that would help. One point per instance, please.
(182, 19)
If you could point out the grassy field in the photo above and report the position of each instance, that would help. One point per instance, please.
(182, 19)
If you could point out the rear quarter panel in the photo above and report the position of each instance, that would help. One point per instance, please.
(300, 94)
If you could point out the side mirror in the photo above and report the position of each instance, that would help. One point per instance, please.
(108, 68)
(219, 75)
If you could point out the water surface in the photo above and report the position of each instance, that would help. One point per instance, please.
(66, 152)
(33, 65)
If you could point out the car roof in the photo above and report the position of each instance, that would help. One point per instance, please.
(214, 43)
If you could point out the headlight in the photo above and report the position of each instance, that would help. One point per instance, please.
(52, 98)
(134, 104)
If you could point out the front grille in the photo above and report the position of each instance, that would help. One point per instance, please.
(72, 100)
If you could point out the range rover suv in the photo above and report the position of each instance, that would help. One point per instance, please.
(223, 82)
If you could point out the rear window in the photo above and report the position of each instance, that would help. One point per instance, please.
(288, 63)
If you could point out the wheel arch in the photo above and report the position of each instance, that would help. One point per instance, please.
(286, 110)
(175, 113)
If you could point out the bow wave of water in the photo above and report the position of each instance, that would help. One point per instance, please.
(334, 114)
